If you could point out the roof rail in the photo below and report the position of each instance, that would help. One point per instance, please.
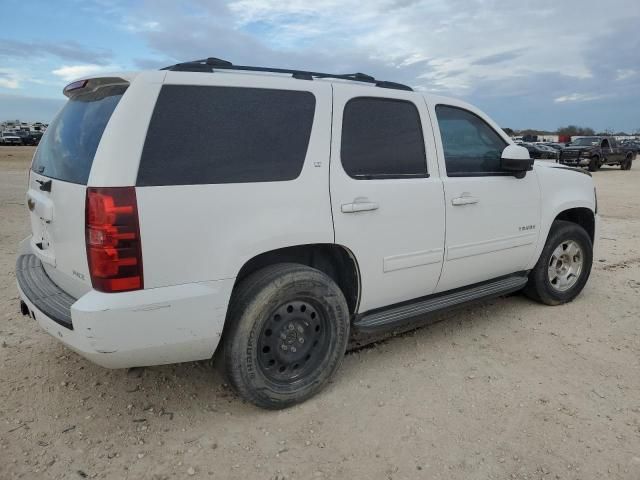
(211, 64)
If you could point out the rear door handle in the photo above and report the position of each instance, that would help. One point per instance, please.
(464, 200)
(359, 205)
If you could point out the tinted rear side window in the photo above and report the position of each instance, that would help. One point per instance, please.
(68, 146)
(206, 135)
(382, 138)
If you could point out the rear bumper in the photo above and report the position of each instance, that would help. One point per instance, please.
(147, 327)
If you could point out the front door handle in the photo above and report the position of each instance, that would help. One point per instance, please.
(464, 200)
(359, 205)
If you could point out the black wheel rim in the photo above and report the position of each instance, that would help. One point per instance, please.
(294, 341)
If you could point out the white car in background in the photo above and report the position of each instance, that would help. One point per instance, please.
(10, 138)
(269, 213)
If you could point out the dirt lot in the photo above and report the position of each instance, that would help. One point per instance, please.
(507, 389)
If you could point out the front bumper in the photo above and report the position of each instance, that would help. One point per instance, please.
(575, 162)
(157, 326)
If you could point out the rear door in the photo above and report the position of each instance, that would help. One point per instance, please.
(57, 184)
(386, 194)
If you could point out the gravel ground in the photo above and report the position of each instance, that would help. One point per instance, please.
(505, 389)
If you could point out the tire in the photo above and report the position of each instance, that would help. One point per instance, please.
(540, 286)
(594, 164)
(288, 328)
(626, 163)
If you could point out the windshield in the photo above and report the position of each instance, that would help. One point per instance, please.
(67, 148)
(586, 142)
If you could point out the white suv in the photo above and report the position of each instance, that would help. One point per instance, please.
(276, 212)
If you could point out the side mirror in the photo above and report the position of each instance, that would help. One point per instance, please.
(516, 159)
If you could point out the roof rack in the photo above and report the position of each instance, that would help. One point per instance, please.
(211, 64)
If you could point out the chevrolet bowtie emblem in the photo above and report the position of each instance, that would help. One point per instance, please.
(31, 204)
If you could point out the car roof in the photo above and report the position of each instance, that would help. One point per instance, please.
(129, 76)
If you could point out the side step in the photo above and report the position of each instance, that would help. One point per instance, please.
(395, 315)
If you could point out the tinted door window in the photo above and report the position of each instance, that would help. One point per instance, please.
(68, 146)
(471, 146)
(206, 135)
(382, 138)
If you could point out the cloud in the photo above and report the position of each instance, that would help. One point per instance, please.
(625, 73)
(14, 79)
(497, 58)
(578, 97)
(9, 79)
(137, 25)
(522, 65)
(72, 72)
(69, 50)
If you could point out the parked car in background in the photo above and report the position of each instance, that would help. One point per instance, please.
(549, 149)
(10, 138)
(593, 152)
(34, 138)
(632, 145)
(555, 146)
(27, 137)
(539, 152)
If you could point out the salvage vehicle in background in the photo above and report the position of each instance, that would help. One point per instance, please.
(540, 152)
(555, 146)
(632, 145)
(10, 138)
(308, 207)
(36, 136)
(29, 138)
(594, 152)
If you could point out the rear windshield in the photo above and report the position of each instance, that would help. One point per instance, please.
(68, 146)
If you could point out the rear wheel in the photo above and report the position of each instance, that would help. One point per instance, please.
(594, 163)
(288, 332)
(626, 163)
(564, 265)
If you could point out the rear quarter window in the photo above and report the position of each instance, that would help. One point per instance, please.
(212, 135)
(68, 146)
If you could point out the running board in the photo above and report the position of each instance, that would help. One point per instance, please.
(395, 315)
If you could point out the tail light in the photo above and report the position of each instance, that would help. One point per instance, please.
(114, 251)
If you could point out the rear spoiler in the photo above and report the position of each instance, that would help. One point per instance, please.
(91, 84)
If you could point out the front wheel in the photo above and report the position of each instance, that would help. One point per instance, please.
(563, 267)
(594, 163)
(288, 332)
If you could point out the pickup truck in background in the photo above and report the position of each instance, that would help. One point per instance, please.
(593, 152)
(9, 138)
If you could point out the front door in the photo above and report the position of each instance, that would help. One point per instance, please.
(386, 194)
(492, 217)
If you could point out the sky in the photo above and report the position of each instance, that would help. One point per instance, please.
(541, 65)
